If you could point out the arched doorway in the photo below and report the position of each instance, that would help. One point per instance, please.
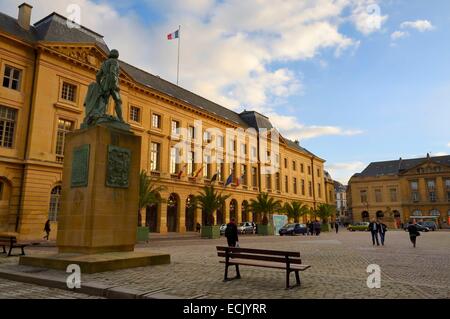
(233, 209)
(190, 213)
(55, 203)
(245, 211)
(151, 216)
(172, 213)
(379, 214)
(365, 216)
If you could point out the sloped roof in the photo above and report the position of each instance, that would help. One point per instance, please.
(398, 166)
(256, 120)
(10, 25)
(178, 92)
(54, 28)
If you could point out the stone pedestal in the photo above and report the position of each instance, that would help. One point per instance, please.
(98, 220)
(100, 191)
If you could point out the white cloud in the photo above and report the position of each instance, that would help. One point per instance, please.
(398, 35)
(448, 144)
(292, 129)
(367, 16)
(342, 172)
(419, 25)
(233, 52)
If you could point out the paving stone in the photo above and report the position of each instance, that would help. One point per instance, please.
(339, 263)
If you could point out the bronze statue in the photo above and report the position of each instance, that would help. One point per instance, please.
(99, 92)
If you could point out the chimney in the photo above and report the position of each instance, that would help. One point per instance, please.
(25, 16)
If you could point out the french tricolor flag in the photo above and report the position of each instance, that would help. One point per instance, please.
(174, 35)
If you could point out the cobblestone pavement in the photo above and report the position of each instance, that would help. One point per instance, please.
(339, 263)
(17, 290)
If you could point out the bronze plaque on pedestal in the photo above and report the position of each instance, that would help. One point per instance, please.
(80, 167)
(118, 168)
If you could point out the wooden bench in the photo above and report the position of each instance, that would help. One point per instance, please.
(11, 242)
(285, 260)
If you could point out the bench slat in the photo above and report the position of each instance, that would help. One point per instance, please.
(260, 251)
(265, 264)
(260, 257)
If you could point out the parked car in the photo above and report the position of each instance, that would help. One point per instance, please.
(361, 226)
(429, 224)
(223, 227)
(419, 227)
(293, 229)
(246, 228)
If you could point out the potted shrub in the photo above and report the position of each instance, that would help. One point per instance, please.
(324, 212)
(148, 195)
(266, 206)
(209, 200)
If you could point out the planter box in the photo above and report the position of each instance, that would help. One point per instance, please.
(325, 227)
(265, 230)
(142, 234)
(210, 232)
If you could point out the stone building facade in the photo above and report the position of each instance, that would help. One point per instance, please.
(402, 189)
(46, 69)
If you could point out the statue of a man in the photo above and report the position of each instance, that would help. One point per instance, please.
(108, 79)
(99, 92)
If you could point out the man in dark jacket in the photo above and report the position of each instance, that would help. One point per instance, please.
(231, 233)
(373, 228)
(413, 233)
(382, 228)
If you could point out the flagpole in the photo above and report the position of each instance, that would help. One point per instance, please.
(178, 65)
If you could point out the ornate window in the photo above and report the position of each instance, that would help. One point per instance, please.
(69, 92)
(417, 212)
(156, 121)
(295, 185)
(254, 177)
(173, 160)
(244, 174)
(155, 150)
(286, 184)
(378, 196)
(435, 212)
(64, 127)
(11, 78)
(363, 196)
(393, 192)
(55, 204)
(7, 126)
(135, 114)
(175, 128)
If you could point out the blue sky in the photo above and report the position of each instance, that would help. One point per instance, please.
(355, 81)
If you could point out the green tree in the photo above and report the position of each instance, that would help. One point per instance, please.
(148, 193)
(295, 210)
(324, 212)
(210, 200)
(265, 205)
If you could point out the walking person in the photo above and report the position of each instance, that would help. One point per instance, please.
(382, 228)
(47, 229)
(413, 233)
(336, 226)
(231, 233)
(373, 228)
(317, 227)
(311, 228)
